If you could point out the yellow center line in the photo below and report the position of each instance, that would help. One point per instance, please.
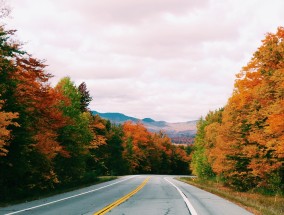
(123, 199)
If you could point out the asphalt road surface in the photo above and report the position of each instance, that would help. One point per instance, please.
(141, 194)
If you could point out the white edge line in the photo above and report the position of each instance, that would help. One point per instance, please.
(188, 204)
(70, 197)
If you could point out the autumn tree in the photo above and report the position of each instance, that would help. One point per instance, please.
(167, 158)
(256, 110)
(135, 140)
(97, 149)
(147, 152)
(6, 119)
(246, 149)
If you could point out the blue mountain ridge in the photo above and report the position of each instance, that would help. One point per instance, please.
(116, 117)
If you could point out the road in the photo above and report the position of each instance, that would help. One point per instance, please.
(141, 194)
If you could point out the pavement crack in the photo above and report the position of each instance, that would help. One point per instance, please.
(168, 211)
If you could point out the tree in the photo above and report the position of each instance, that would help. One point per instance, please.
(115, 163)
(6, 119)
(97, 156)
(135, 141)
(75, 136)
(25, 90)
(39, 103)
(200, 165)
(85, 97)
(252, 135)
(147, 152)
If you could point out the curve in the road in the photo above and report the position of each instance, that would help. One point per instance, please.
(188, 204)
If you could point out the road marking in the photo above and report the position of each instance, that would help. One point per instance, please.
(188, 204)
(70, 197)
(121, 200)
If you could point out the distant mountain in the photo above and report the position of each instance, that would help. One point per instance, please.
(116, 117)
(179, 132)
(148, 120)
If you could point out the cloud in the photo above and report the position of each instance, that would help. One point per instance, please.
(165, 59)
(128, 11)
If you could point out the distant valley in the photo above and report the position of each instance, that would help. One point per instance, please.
(179, 132)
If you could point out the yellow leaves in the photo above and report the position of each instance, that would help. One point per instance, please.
(6, 119)
(51, 176)
(99, 126)
(211, 133)
(98, 141)
(261, 167)
(275, 124)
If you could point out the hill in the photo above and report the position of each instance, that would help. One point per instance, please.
(179, 132)
(116, 117)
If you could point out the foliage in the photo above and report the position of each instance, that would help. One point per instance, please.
(205, 141)
(245, 146)
(6, 119)
(74, 136)
(146, 152)
(85, 96)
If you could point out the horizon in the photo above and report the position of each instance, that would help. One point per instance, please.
(141, 119)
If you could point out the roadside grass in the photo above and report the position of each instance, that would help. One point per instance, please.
(66, 188)
(256, 203)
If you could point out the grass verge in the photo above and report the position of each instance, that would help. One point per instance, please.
(59, 190)
(254, 202)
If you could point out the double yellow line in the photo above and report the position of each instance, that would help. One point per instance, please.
(123, 199)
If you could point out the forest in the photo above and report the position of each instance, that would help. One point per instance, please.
(242, 144)
(49, 138)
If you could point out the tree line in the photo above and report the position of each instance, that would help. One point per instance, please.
(50, 139)
(242, 144)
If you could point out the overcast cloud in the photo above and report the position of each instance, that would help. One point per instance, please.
(170, 60)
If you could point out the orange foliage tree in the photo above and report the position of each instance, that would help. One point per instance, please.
(6, 119)
(135, 141)
(40, 103)
(254, 117)
(147, 152)
(247, 147)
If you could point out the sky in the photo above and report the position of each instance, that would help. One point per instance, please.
(171, 60)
